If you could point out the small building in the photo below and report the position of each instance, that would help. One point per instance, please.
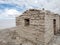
(38, 26)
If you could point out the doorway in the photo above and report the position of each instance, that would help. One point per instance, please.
(27, 22)
(54, 26)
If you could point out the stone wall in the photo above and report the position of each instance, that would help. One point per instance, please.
(41, 21)
(35, 31)
(49, 29)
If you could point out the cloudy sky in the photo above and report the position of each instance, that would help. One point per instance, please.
(9, 9)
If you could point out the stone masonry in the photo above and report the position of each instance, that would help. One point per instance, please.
(41, 27)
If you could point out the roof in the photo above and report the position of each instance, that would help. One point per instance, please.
(41, 11)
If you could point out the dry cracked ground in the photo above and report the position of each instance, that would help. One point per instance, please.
(7, 37)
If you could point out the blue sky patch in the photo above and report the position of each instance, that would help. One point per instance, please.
(11, 6)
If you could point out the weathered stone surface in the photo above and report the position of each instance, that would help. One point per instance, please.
(41, 21)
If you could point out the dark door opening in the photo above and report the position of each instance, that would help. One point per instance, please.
(27, 22)
(54, 26)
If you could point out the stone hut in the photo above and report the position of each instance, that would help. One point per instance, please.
(38, 26)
